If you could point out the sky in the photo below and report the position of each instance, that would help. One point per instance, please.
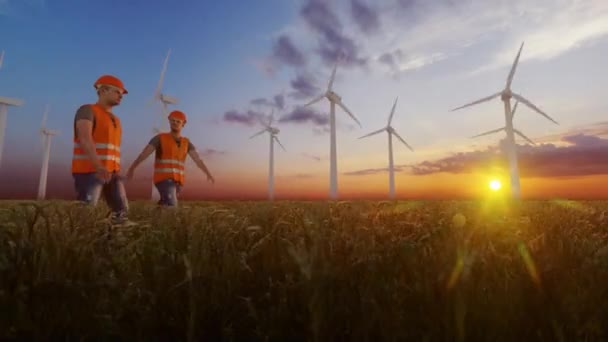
(232, 64)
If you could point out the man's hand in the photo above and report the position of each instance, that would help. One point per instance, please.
(102, 173)
(210, 178)
(130, 174)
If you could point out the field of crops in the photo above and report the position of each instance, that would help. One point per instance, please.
(307, 271)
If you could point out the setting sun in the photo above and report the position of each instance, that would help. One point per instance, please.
(495, 185)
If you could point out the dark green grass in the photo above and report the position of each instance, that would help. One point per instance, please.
(307, 271)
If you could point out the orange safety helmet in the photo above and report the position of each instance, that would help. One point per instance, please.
(177, 115)
(111, 81)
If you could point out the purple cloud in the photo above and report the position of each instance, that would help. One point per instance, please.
(586, 155)
(333, 43)
(249, 118)
(303, 115)
(365, 16)
(286, 52)
(304, 87)
(211, 152)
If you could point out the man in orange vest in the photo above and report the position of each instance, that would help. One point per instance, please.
(169, 167)
(96, 153)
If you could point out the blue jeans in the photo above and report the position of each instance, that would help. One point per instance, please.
(89, 189)
(168, 190)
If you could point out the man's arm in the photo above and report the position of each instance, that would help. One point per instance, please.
(145, 153)
(84, 132)
(197, 159)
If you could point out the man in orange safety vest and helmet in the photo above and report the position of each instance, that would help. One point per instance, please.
(96, 151)
(169, 166)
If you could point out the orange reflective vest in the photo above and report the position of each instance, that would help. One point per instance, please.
(107, 133)
(171, 163)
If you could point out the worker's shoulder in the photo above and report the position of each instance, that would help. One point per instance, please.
(85, 112)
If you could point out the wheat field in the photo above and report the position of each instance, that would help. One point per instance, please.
(307, 271)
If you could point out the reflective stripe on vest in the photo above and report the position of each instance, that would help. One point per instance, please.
(101, 146)
(170, 170)
(170, 161)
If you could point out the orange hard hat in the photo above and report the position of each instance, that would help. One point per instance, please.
(111, 81)
(178, 115)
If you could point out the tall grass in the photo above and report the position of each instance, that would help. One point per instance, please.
(307, 271)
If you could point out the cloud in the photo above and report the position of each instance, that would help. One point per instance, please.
(406, 35)
(582, 155)
(305, 115)
(550, 29)
(367, 172)
(210, 153)
(332, 41)
(365, 16)
(313, 157)
(287, 53)
(249, 118)
(277, 101)
(304, 87)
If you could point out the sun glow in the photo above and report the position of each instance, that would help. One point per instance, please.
(494, 185)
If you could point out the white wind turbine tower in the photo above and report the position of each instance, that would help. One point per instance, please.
(334, 99)
(390, 131)
(5, 102)
(45, 135)
(505, 95)
(165, 100)
(273, 131)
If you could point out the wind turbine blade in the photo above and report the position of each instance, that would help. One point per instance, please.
(44, 117)
(523, 136)
(162, 73)
(514, 109)
(403, 141)
(489, 132)
(348, 112)
(533, 107)
(1, 58)
(271, 118)
(478, 101)
(390, 118)
(373, 133)
(258, 133)
(315, 100)
(333, 76)
(277, 140)
(514, 67)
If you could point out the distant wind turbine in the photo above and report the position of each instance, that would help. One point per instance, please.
(273, 131)
(45, 135)
(5, 102)
(505, 95)
(390, 131)
(334, 99)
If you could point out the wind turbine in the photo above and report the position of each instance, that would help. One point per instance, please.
(165, 100)
(515, 130)
(505, 95)
(273, 131)
(45, 135)
(390, 131)
(334, 99)
(5, 102)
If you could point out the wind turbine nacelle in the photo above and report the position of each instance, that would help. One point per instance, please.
(10, 101)
(274, 130)
(168, 99)
(333, 97)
